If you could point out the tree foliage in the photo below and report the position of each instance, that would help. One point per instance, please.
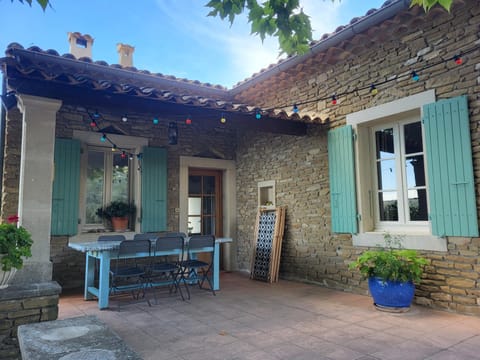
(283, 19)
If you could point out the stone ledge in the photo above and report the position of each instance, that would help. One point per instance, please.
(83, 337)
(30, 290)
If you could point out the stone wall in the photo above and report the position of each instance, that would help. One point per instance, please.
(299, 164)
(24, 305)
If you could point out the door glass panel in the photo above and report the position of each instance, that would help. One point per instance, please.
(195, 206)
(209, 225)
(415, 171)
(195, 185)
(94, 186)
(388, 205)
(209, 184)
(120, 178)
(417, 204)
(413, 138)
(384, 144)
(209, 205)
(387, 179)
(194, 225)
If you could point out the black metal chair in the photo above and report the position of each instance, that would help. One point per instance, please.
(165, 270)
(130, 277)
(194, 270)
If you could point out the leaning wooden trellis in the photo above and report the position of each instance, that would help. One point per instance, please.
(269, 231)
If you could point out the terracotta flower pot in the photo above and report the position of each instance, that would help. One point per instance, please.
(120, 224)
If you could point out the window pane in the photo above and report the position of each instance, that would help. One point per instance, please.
(194, 184)
(415, 171)
(208, 225)
(194, 225)
(413, 138)
(417, 204)
(386, 175)
(194, 206)
(120, 179)
(94, 186)
(384, 144)
(388, 206)
(209, 205)
(209, 184)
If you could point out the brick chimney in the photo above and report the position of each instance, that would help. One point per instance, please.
(80, 45)
(125, 54)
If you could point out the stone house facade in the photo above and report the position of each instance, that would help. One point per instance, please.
(294, 149)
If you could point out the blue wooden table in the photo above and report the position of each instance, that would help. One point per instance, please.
(104, 251)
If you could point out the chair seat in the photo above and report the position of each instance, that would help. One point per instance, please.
(193, 263)
(128, 272)
(163, 267)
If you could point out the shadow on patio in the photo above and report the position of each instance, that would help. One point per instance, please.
(286, 320)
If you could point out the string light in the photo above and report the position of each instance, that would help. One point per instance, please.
(258, 115)
(334, 99)
(123, 155)
(458, 59)
(114, 147)
(188, 121)
(124, 118)
(223, 120)
(373, 90)
(155, 120)
(103, 138)
(295, 108)
(93, 124)
(415, 76)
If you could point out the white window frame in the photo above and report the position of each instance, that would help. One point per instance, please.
(92, 140)
(414, 236)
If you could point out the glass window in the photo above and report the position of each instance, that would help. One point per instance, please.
(108, 179)
(400, 173)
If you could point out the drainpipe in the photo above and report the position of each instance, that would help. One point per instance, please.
(3, 118)
(386, 12)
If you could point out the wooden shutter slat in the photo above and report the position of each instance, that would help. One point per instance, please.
(451, 188)
(342, 180)
(154, 189)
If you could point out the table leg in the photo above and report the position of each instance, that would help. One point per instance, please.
(89, 275)
(216, 268)
(104, 280)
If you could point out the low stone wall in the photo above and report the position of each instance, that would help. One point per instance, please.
(25, 304)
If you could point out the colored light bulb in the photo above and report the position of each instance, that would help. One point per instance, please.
(188, 121)
(258, 115)
(334, 100)
(295, 108)
(155, 120)
(373, 90)
(103, 138)
(458, 59)
(415, 76)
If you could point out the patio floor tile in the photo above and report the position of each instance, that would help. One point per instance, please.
(253, 320)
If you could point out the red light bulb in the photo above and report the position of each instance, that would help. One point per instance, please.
(458, 60)
(188, 121)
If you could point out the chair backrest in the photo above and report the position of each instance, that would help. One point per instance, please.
(145, 236)
(201, 243)
(173, 233)
(134, 247)
(169, 244)
(111, 238)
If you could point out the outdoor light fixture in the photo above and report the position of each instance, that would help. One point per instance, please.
(9, 100)
(172, 133)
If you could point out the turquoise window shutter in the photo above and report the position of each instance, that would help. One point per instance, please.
(453, 210)
(154, 189)
(342, 180)
(66, 187)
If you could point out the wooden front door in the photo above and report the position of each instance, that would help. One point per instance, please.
(205, 202)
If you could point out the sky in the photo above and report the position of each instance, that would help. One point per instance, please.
(172, 37)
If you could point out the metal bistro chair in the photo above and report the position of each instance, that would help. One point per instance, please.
(165, 269)
(127, 277)
(195, 271)
(111, 238)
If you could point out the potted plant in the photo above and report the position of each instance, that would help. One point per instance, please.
(118, 213)
(392, 272)
(15, 244)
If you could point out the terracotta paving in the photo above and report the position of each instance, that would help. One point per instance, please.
(286, 320)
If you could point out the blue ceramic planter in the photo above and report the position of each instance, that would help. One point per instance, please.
(391, 294)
